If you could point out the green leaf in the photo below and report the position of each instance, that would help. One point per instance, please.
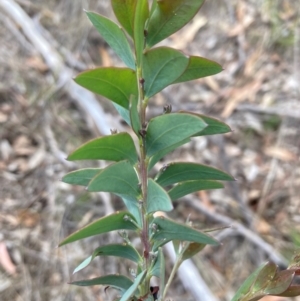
(166, 130)
(116, 221)
(292, 291)
(140, 17)
(81, 177)
(162, 269)
(124, 113)
(118, 282)
(116, 84)
(162, 66)
(264, 277)
(169, 16)
(107, 148)
(192, 249)
(186, 171)
(118, 178)
(187, 187)
(132, 206)
(247, 284)
(214, 126)
(114, 36)
(198, 67)
(280, 283)
(124, 11)
(167, 230)
(123, 251)
(154, 159)
(157, 198)
(158, 269)
(134, 114)
(134, 287)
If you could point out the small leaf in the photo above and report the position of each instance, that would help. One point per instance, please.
(186, 171)
(123, 251)
(114, 36)
(292, 291)
(247, 284)
(124, 11)
(107, 148)
(132, 206)
(264, 277)
(134, 114)
(214, 126)
(81, 177)
(116, 84)
(118, 178)
(168, 230)
(115, 221)
(166, 130)
(159, 155)
(162, 66)
(140, 17)
(118, 282)
(280, 283)
(187, 187)
(168, 17)
(162, 269)
(134, 287)
(193, 249)
(124, 113)
(198, 67)
(157, 198)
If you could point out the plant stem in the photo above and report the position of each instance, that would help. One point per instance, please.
(143, 173)
(171, 277)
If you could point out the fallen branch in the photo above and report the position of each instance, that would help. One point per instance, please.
(248, 234)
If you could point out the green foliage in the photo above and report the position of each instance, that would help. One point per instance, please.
(150, 70)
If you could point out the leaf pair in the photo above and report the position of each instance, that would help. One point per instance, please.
(268, 280)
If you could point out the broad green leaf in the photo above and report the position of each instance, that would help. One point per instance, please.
(187, 187)
(107, 148)
(140, 17)
(159, 155)
(198, 67)
(123, 251)
(166, 130)
(214, 126)
(116, 84)
(134, 114)
(157, 198)
(114, 36)
(193, 249)
(167, 230)
(134, 287)
(124, 113)
(247, 284)
(169, 16)
(81, 177)
(118, 282)
(124, 11)
(119, 178)
(186, 171)
(161, 67)
(116, 221)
